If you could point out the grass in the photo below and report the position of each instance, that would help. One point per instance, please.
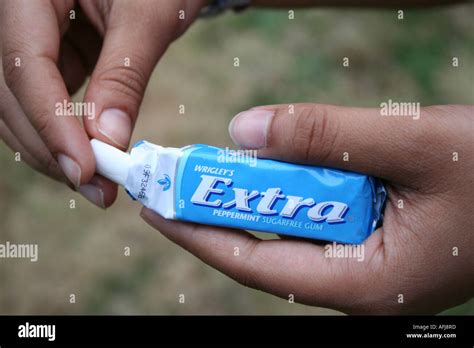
(282, 60)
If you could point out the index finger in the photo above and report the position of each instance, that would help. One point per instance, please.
(284, 268)
(30, 49)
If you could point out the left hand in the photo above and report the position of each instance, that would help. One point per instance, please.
(49, 48)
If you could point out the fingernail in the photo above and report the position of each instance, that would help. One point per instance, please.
(93, 194)
(70, 168)
(249, 128)
(116, 126)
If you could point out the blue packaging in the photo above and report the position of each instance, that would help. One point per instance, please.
(213, 186)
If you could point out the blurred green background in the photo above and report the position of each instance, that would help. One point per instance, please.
(281, 61)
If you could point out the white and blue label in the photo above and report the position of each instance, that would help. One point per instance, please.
(273, 196)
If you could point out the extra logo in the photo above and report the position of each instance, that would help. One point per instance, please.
(329, 211)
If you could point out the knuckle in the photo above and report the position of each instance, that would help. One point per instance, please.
(43, 124)
(12, 72)
(303, 134)
(127, 81)
(313, 134)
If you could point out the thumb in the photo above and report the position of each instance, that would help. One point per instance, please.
(356, 139)
(136, 36)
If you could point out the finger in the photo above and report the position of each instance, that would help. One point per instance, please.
(356, 139)
(30, 56)
(129, 54)
(280, 267)
(99, 191)
(12, 142)
(85, 39)
(26, 138)
(93, 191)
(80, 48)
(71, 67)
(21, 137)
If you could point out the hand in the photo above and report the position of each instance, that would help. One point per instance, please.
(420, 261)
(46, 56)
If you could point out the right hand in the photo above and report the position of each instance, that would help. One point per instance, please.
(47, 56)
(420, 260)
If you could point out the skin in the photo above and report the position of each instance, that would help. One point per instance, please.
(411, 254)
(57, 54)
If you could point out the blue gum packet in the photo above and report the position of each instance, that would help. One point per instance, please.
(232, 188)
